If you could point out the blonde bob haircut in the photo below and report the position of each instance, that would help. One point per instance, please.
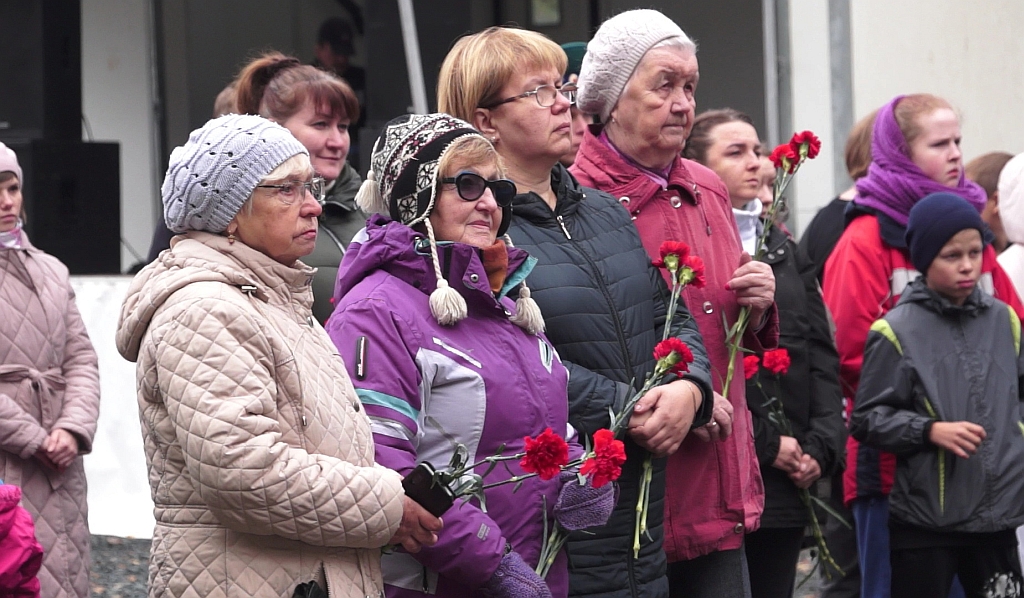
(480, 65)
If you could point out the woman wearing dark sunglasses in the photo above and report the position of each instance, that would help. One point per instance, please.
(603, 301)
(441, 356)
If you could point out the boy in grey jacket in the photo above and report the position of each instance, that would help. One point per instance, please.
(941, 388)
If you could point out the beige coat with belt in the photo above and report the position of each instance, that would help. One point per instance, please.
(48, 379)
(260, 455)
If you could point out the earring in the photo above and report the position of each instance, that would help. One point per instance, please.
(231, 238)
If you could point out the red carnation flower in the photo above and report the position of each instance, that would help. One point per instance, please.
(545, 454)
(750, 365)
(606, 463)
(675, 354)
(672, 253)
(785, 158)
(776, 361)
(805, 143)
(696, 267)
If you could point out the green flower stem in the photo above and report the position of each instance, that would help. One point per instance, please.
(512, 480)
(553, 543)
(826, 562)
(733, 341)
(643, 503)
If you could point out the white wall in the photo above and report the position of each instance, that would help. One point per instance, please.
(119, 498)
(814, 185)
(117, 101)
(967, 52)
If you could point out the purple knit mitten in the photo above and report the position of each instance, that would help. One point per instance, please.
(514, 579)
(579, 507)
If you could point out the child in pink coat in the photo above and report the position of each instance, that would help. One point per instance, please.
(20, 553)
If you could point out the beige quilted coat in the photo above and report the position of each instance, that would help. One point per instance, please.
(48, 379)
(260, 455)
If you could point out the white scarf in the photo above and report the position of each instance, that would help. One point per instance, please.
(12, 238)
(748, 221)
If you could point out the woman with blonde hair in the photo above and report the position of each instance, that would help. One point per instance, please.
(604, 303)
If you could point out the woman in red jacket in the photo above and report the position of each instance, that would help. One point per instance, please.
(915, 151)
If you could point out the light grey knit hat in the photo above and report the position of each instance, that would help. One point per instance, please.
(214, 173)
(9, 162)
(614, 53)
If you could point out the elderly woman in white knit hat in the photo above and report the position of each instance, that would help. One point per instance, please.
(441, 357)
(639, 76)
(260, 454)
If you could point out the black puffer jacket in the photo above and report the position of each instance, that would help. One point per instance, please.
(605, 306)
(339, 222)
(810, 391)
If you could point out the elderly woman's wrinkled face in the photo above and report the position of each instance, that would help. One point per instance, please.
(10, 204)
(524, 129)
(655, 113)
(282, 221)
(473, 222)
(733, 156)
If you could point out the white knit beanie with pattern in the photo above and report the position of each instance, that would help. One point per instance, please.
(214, 173)
(614, 53)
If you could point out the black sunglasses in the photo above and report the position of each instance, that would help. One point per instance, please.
(471, 187)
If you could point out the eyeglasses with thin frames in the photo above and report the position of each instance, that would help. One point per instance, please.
(471, 187)
(292, 191)
(544, 94)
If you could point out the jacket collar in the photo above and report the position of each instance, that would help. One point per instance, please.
(390, 246)
(618, 177)
(918, 292)
(568, 193)
(205, 257)
(342, 193)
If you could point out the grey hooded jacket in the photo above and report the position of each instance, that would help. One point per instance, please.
(926, 361)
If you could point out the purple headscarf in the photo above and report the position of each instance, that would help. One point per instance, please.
(894, 183)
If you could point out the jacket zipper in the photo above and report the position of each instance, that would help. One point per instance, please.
(564, 230)
(619, 332)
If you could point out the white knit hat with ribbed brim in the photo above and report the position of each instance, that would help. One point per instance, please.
(614, 53)
(214, 173)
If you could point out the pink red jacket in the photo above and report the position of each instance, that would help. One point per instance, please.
(21, 556)
(713, 492)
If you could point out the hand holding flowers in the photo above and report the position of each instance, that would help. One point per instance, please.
(787, 158)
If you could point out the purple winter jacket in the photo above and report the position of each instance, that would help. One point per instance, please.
(426, 387)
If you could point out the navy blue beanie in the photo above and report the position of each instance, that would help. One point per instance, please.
(935, 220)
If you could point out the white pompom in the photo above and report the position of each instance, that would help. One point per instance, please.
(527, 316)
(447, 305)
(369, 198)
